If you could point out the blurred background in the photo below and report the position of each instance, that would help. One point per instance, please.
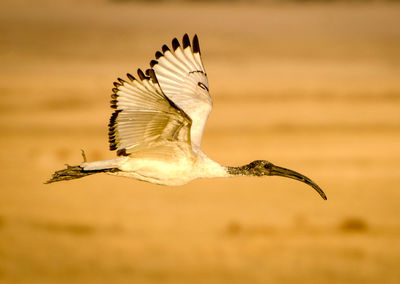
(309, 85)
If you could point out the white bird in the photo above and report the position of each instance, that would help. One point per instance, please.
(158, 123)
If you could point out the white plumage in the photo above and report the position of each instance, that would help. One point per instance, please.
(158, 124)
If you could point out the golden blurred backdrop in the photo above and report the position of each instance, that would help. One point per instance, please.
(310, 85)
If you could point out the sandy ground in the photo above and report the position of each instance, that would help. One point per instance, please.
(311, 87)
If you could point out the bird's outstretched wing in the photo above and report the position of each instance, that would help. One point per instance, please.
(144, 118)
(182, 78)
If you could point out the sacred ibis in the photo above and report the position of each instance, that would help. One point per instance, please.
(158, 122)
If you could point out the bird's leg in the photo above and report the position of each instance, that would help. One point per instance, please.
(70, 172)
(74, 172)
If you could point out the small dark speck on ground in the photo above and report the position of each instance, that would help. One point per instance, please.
(234, 228)
(353, 225)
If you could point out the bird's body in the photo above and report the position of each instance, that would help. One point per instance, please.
(158, 123)
(178, 169)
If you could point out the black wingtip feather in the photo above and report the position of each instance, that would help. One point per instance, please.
(114, 104)
(121, 81)
(112, 134)
(115, 90)
(165, 48)
(116, 84)
(158, 54)
(196, 45)
(153, 76)
(141, 74)
(130, 77)
(175, 44)
(186, 41)
(153, 63)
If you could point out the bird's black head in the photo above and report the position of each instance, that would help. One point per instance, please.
(266, 168)
(257, 168)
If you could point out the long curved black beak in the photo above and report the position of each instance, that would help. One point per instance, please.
(283, 172)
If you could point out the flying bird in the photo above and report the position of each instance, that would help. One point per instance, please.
(158, 122)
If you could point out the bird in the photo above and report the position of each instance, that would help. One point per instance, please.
(157, 125)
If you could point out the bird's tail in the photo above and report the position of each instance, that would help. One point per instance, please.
(74, 172)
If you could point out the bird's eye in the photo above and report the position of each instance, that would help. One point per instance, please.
(201, 85)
